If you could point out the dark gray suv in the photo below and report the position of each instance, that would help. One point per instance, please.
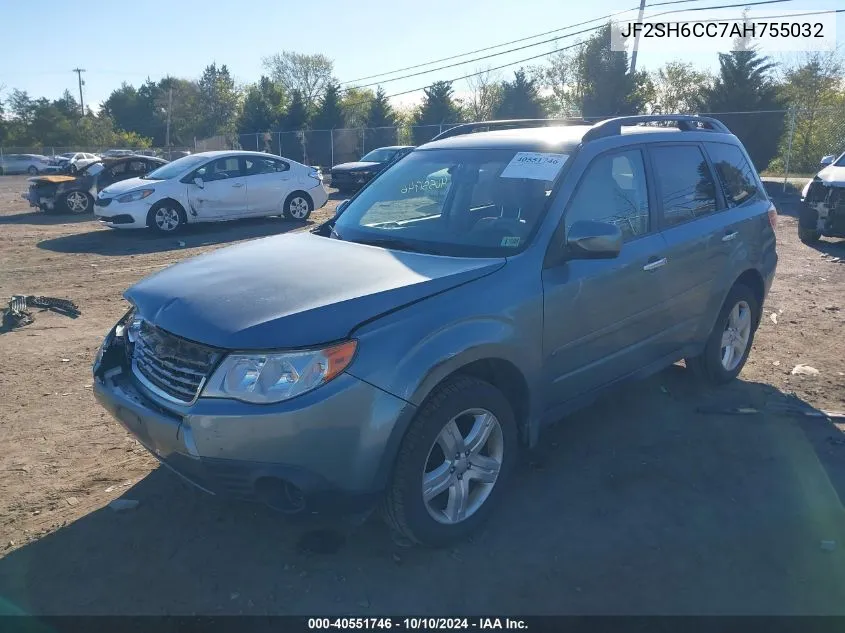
(480, 288)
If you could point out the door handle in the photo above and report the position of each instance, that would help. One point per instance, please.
(238, 185)
(656, 264)
(730, 236)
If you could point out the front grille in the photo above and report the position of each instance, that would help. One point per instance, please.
(173, 365)
(102, 202)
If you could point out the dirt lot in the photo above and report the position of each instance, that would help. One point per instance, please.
(639, 504)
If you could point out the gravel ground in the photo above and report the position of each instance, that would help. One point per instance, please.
(638, 504)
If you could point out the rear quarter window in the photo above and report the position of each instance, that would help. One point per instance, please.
(736, 176)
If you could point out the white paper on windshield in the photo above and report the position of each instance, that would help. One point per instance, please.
(534, 166)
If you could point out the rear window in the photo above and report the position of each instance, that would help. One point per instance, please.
(735, 174)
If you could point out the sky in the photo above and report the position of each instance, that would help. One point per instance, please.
(118, 41)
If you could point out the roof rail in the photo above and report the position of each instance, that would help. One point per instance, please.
(685, 122)
(505, 124)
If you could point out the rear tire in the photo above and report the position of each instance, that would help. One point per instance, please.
(298, 206)
(809, 236)
(436, 498)
(166, 218)
(717, 365)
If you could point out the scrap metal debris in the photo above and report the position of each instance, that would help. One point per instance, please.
(18, 314)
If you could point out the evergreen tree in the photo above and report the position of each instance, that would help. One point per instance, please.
(380, 123)
(438, 108)
(742, 89)
(329, 114)
(520, 99)
(219, 100)
(607, 86)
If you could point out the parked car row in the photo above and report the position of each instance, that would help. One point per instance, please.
(404, 352)
(823, 202)
(23, 164)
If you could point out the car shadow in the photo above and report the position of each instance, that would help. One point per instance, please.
(39, 218)
(659, 498)
(833, 246)
(102, 241)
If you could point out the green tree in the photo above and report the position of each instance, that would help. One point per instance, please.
(22, 107)
(520, 99)
(814, 86)
(485, 93)
(296, 118)
(311, 75)
(741, 95)
(679, 88)
(186, 115)
(356, 104)
(263, 108)
(134, 110)
(438, 107)
(380, 123)
(219, 100)
(329, 114)
(608, 88)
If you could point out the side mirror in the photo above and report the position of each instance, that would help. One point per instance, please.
(593, 240)
(199, 182)
(341, 207)
(826, 160)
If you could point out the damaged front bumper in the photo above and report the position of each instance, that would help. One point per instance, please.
(823, 209)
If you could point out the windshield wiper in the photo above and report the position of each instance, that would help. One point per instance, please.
(394, 243)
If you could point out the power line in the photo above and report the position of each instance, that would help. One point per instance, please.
(521, 61)
(559, 37)
(522, 39)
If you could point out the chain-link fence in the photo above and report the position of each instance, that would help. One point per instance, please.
(782, 143)
(168, 153)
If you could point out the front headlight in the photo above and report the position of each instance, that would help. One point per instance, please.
(268, 378)
(134, 196)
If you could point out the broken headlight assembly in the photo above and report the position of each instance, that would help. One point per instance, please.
(275, 377)
(120, 331)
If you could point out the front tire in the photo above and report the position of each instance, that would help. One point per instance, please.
(809, 236)
(298, 206)
(166, 218)
(452, 464)
(730, 341)
(33, 170)
(78, 202)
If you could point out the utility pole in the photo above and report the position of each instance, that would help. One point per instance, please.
(637, 39)
(169, 108)
(79, 72)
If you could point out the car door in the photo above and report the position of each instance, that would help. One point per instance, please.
(605, 319)
(223, 193)
(693, 227)
(269, 181)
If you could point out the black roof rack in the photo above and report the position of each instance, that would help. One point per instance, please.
(685, 122)
(505, 124)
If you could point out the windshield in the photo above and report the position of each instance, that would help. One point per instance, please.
(840, 162)
(67, 155)
(379, 156)
(462, 202)
(177, 167)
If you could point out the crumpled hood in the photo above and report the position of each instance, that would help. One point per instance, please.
(124, 186)
(355, 166)
(40, 180)
(832, 176)
(293, 290)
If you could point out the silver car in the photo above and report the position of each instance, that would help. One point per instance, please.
(23, 164)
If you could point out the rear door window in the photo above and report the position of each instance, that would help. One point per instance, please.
(735, 174)
(685, 185)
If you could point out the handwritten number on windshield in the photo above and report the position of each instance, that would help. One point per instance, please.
(425, 185)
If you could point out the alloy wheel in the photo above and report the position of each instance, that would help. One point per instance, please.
(736, 335)
(462, 466)
(77, 202)
(167, 219)
(298, 207)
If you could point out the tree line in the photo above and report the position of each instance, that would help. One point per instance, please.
(300, 92)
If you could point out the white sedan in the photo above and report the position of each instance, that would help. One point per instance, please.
(211, 187)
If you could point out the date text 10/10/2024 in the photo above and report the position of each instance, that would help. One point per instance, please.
(414, 624)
